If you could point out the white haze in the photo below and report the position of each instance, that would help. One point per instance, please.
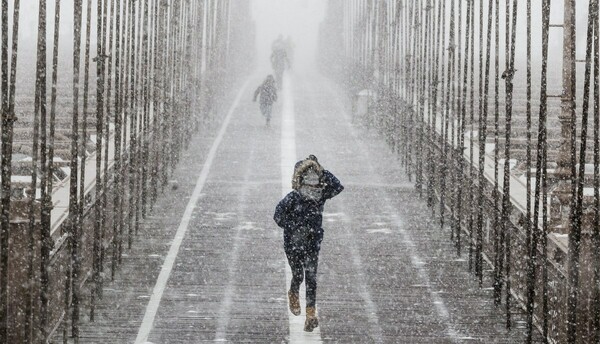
(298, 19)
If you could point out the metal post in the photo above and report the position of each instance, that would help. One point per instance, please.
(565, 170)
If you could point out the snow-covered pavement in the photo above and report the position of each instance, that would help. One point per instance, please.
(387, 273)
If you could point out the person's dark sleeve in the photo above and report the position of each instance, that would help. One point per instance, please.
(281, 212)
(333, 186)
(257, 92)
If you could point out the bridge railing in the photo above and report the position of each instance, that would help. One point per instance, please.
(109, 120)
(492, 133)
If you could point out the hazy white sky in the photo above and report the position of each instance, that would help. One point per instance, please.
(298, 19)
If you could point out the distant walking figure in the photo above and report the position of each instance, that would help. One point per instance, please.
(300, 214)
(279, 59)
(268, 95)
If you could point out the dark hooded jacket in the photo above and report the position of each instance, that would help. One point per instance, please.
(267, 91)
(295, 211)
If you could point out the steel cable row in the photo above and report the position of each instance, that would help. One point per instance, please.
(436, 108)
(158, 65)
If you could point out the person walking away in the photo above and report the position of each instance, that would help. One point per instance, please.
(300, 214)
(278, 43)
(289, 49)
(268, 95)
(279, 62)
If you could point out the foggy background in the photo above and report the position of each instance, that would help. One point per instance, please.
(298, 19)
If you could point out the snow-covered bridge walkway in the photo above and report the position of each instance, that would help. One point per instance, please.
(208, 263)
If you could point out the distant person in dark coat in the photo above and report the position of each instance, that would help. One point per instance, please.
(300, 214)
(289, 49)
(279, 60)
(268, 95)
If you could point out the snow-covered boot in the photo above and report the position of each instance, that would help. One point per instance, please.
(294, 302)
(311, 319)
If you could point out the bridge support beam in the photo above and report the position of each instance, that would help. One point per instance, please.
(565, 168)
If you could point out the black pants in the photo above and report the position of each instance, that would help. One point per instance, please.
(302, 251)
(266, 110)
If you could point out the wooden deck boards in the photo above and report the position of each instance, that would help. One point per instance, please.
(387, 272)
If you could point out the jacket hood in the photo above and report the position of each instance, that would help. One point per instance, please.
(301, 168)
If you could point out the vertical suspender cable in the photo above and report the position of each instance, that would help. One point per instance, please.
(395, 65)
(165, 64)
(118, 52)
(127, 101)
(100, 56)
(577, 210)
(442, 78)
(539, 186)
(83, 141)
(446, 116)
(454, 119)
(482, 141)
(456, 124)
(419, 100)
(107, 40)
(39, 111)
(8, 119)
(528, 124)
(434, 105)
(74, 222)
(139, 112)
(461, 136)
(123, 113)
(145, 110)
(46, 240)
(508, 76)
(5, 169)
(533, 246)
(471, 187)
(111, 55)
(471, 202)
(134, 125)
(596, 224)
(156, 138)
(498, 258)
(471, 87)
(12, 85)
(412, 92)
(132, 130)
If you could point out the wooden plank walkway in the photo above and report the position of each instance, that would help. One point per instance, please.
(387, 273)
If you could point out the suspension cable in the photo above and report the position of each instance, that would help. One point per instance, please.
(38, 111)
(133, 118)
(463, 115)
(119, 53)
(508, 76)
(111, 55)
(434, 106)
(577, 210)
(533, 246)
(46, 240)
(74, 204)
(482, 142)
(471, 193)
(446, 116)
(596, 223)
(498, 258)
(455, 125)
(8, 119)
(100, 56)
